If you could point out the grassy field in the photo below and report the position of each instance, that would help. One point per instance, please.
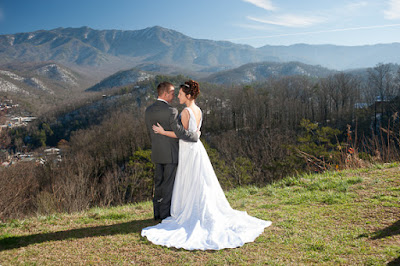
(350, 217)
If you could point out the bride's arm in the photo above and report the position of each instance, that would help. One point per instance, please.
(178, 128)
(185, 118)
(160, 130)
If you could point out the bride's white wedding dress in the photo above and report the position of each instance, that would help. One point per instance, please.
(201, 217)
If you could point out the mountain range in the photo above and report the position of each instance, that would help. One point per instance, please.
(244, 74)
(62, 60)
(108, 51)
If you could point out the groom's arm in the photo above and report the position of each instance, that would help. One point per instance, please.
(179, 130)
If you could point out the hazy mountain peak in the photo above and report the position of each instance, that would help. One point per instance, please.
(55, 72)
(121, 78)
(264, 70)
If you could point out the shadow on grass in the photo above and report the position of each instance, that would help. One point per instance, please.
(106, 230)
(394, 262)
(391, 230)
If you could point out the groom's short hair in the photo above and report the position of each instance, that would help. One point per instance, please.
(163, 87)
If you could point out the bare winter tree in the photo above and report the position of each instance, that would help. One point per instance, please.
(382, 83)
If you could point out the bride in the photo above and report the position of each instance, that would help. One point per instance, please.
(201, 217)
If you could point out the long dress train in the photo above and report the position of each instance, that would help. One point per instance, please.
(201, 217)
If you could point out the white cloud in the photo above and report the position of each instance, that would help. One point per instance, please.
(393, 11)
(356, 5)
(265, 4)
(294, 21)
(254, 27)
(316, 32)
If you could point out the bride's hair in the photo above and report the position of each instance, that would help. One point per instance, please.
(191, 88)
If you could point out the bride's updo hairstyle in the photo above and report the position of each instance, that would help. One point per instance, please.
(191, 88)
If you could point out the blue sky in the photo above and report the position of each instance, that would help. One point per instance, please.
(253, 22)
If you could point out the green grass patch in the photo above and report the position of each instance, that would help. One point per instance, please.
(349, 217)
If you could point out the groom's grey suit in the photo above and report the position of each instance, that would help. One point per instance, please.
(164, 153)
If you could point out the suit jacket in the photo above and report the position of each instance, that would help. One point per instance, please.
(164, 149)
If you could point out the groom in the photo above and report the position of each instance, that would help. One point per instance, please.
(164, 152)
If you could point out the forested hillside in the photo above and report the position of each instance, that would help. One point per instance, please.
(254, 134)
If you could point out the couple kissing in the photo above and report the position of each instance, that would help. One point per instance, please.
(188, 198)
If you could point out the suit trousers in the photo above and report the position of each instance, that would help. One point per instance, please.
(164, 179)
